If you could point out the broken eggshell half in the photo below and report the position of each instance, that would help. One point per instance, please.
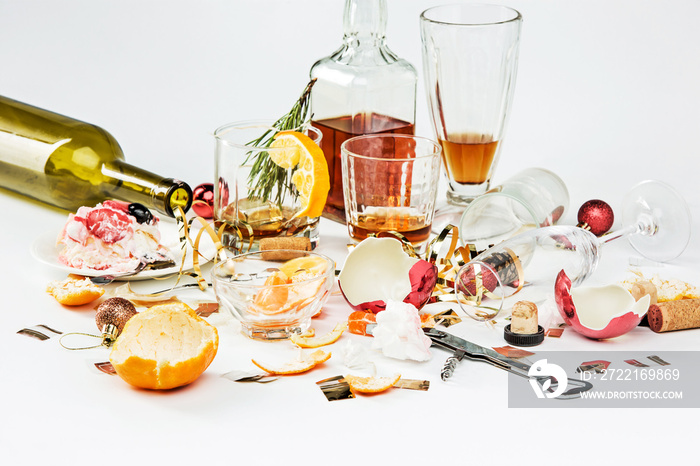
(598, 312)
(378, 270)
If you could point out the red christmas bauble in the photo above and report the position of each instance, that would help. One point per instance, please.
(203, 200)
(596, 216)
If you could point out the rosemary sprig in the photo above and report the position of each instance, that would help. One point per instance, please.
(265, 175)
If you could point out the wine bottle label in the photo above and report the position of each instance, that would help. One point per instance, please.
(25, 152)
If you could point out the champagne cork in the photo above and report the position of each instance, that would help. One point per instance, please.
(674, 315)
(643, 288)
(278, 248)
(524, 318)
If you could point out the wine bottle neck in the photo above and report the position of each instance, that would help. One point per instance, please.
(133, 184)
(365, 20)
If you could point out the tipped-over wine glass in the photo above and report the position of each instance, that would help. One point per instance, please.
(656, 220)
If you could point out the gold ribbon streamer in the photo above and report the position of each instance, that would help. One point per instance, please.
(453, 260)
(185, 238)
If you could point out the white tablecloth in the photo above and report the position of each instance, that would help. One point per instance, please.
(606, 97)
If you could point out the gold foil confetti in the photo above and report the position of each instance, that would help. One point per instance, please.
(244, 377)
(658, 360)
(412, 384)
(335, 388)
(446, 318)
(40, 332)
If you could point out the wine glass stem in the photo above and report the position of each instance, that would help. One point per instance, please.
(621, 233)
(645, 226)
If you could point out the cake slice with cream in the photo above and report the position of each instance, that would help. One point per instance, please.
(114, 236)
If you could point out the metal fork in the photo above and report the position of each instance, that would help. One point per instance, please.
(143, 265)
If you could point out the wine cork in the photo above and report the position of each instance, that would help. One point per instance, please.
(271, 247)
(523, 320)
(674, 315)
(643, 288)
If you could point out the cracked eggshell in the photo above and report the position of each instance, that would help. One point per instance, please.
(598, 312)
(378, 270)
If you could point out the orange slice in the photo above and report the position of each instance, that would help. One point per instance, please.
(315, 342)
(359, 320)
(370, 384)
(311, 176)
(299, 268)
(298, 366)
(287, 153)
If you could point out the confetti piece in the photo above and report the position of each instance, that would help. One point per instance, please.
(106, 367)
(513, 353)
(335, 388)
(658, 360)
(40, 332)
(412, 384)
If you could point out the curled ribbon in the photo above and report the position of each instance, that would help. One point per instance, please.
(449, 258)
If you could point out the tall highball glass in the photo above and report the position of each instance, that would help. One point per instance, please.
(470, 61)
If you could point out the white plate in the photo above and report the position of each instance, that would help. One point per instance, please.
(45, 250)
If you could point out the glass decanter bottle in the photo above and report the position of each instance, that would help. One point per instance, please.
(362, 88)
(69, 163)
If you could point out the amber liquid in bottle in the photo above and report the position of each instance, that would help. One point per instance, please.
(338, 130)
(468, 157)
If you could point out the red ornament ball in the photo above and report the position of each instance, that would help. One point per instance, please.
(596, 216)
(203, 202)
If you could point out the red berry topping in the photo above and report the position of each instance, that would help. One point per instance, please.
(117, 205)
(108, 224)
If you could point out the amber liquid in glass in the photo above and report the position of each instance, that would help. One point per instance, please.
(258, 219)
(338, 130)
(412, 227)
(467, 158)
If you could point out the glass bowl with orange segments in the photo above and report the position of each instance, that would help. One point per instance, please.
(270, 183)
(274, 294)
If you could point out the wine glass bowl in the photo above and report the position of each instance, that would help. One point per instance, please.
(661, 219)
(656, 221)
(479, 290)
(532, 198)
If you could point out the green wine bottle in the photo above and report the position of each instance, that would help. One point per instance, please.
(69, 163)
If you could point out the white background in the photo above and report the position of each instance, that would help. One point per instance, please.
(607, 96)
